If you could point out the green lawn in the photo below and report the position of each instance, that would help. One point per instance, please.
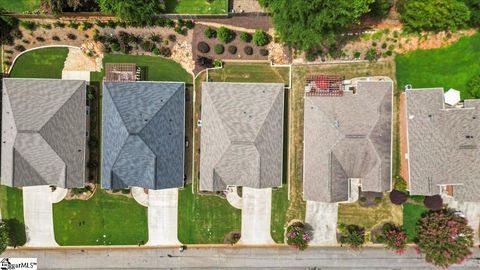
(447, 67)
(20, 6)
(205, 219)
(158, 69)
(411, 215)
(197, 6)
(42, 63)
(11, 205)
(104, 219)
(250, 73)
(280, 205)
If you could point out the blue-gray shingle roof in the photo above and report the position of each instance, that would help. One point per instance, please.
(143, 135)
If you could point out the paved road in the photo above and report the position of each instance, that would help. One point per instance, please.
(256, 215)
(237, 257)
(38, 215)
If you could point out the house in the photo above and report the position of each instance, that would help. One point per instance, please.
(143, 135)
(443, 145)
(347, 136)
(241, 135)
(43, 133)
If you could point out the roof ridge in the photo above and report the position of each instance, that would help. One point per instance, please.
(280, 93)
(29, 165)
(116, 108)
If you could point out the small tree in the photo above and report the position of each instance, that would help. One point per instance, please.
(260, 38)
(353, 236)
(394, 237)
(297, 236)
(225, 35)
(444, 237)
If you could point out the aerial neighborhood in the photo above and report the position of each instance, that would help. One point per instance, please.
(269, 133)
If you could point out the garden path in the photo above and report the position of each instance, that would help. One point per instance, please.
(256, 216)
(322, 217)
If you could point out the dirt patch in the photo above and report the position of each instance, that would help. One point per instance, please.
(426, 41)
(241, 6)
(403, 139)
(78, 61)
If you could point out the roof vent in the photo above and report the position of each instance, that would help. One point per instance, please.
(337, 124)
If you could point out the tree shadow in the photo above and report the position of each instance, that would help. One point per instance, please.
(171, 5)
(16, 232)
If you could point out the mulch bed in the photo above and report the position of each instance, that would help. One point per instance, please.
(198, 36)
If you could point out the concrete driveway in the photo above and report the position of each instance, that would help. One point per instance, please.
(162, 217)
(322, 217)
(38, 215)
(256, 215)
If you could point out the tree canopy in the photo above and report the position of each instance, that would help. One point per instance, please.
(3, 237)
(434, 15)
(138, 12)
(308, 25)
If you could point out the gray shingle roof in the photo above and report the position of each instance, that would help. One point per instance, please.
(143, 135)
(443, 145)
(348, 137)
(43, 132)
(242, 135)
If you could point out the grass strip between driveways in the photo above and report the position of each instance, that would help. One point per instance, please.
(411, 214)
(104, 219)
(44, 63)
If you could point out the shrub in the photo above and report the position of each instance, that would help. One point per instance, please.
(170, 23)
(87, 25)
(28, 25)
(155, 38)
(374, 44)
(389, 53)
(260, 38)
(203, 47)
(398, 197)
(71, 36)
(353, 236)
(100, 24)
(371, 55)
(180, 30)
(248, 50)
(73, 24)
(263, 52)
(473, 87)
(46, 26)
(380, 8)
(400, 184)
(59, 24)
(156, 51)
(384, 45)
(210, 32)
(115, 46)
(297, 236)
(26, 41)
(391, 47)
(204, 62)
(394, 237)
(225, 35)
(232, 49)
(40, 39)
(434, 202)
(111, 24)
(180, 23)
(189, 24)
(444, 237)
(246, 37)
(172, 38)
(19, 48)
(3, 236)
(165, 51)
(147, 46)
(219, 49)
(217, 63)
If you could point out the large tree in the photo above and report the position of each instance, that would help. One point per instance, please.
(474, 6)
(434, 15)
(138, 12)
(307, 25)
(3, 236)
(7, 25)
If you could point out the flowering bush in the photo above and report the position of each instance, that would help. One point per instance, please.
(297, 236)
(444, 237)
(394, 237)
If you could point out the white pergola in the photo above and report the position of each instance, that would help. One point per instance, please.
(452, 97)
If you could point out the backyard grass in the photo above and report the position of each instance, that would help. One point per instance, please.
(448, 67)
(197, 6)
(250, 73)
(205, 219)
(11, 205)
(104, 219)
(370, 217)
(411, 214)
(42, 63)
(19, 6)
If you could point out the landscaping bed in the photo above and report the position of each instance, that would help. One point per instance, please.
(104, 219)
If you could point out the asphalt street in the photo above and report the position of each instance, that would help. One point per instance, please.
(228, 257)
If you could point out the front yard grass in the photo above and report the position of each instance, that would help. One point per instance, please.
(104, 219)
(411, 214)
(19, 6)
(448, 67)
(11, 205)
(197, 6)
(205, 219)
(44, 63)
(370, 217)
(280, 205)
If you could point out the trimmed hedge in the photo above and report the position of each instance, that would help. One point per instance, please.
(219, 49)
(203, 47)
(398, 197)
(248, 50)
(232, 49)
